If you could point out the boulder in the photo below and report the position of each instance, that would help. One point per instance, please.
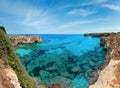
(76, 69)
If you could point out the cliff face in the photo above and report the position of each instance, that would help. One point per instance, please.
(97, 34)
(109, 77)
(12, 73)
(8, 78)
(24, 39)
(100, 34)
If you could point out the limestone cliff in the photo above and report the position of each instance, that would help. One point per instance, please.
(109, 77)
(8, 78)
(24, 39)
(12, 73)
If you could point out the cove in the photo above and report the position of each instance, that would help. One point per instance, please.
(65, 59)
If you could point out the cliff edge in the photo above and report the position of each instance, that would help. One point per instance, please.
(24, 39)
(109, 77)
(12, 73)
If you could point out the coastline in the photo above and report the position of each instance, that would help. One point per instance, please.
(107, 77)
(24, 39)
(102, 66)
(109, 73)
(12, 72)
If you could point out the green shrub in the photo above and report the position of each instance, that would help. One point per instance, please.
(9, 57)
(3, 29)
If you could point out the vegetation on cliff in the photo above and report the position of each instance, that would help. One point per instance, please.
(9, 58)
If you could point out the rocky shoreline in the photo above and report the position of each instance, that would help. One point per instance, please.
(107, 77)
(24, 39)
(109, 74)
(100, 34)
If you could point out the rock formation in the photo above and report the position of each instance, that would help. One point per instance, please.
(8, 78)
(12, 73)
(99, 34)
(24, 39)
(109, 76)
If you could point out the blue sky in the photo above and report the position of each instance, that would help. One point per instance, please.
(60, 16)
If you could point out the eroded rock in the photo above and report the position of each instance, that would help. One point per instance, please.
(8, 78)
(24, 39)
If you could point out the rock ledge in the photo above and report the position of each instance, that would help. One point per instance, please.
(24, 39)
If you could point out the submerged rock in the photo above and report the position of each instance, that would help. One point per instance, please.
(36, 71)
(55, 86)
(92, 77)
(52, 69)
(65, 74)
(63, 82)
(92, 64)
(45, 74)
(95, 59)
(76, 69)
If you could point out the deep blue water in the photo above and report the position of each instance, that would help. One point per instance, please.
(64, 59)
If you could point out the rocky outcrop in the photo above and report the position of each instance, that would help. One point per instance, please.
(99, 34)
(109, 76)
(24, 39)
(8, 78)
(92, 77)
(12, 73)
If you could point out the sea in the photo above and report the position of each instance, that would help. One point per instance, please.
(65, 59)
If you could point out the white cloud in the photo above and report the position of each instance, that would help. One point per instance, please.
(13, 8)
(35, 18)
(26, 15)
(83, 22)
(81, 12)
(111, 6)
(92, 2)
(100, 1)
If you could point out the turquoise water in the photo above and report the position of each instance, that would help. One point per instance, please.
(65, 59)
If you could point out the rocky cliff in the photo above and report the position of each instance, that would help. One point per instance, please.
(8, 78)
(24, 39)
(12, 73)
(109, 76)
(100, 34)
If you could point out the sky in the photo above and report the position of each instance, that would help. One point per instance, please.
(60, 16)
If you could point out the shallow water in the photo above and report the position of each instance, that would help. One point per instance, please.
(64, 59)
